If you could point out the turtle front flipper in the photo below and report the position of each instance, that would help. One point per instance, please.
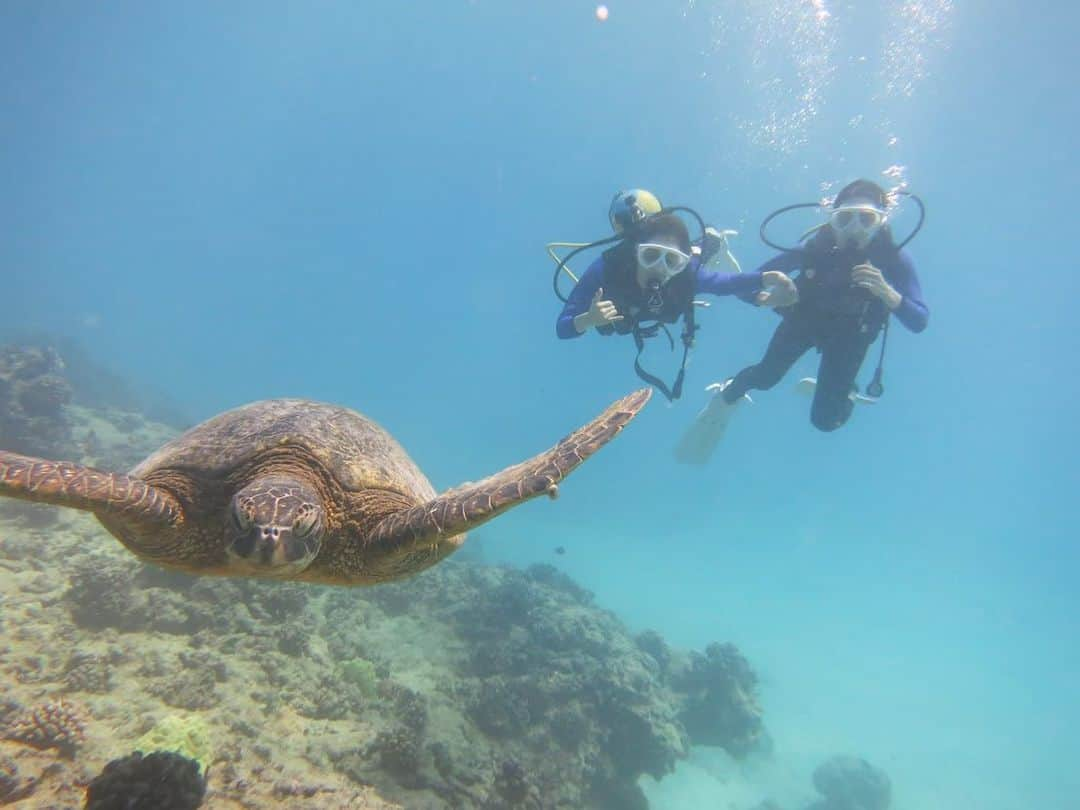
(64, 483)
(458, 510)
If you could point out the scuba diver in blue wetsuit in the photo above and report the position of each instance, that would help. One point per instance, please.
(851, 276)
(649, 279)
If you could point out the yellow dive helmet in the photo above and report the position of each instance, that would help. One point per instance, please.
(630, 208)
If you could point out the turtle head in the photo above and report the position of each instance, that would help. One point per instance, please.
(274, 528)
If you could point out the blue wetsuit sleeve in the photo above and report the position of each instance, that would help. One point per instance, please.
(580, 299)
(912, 312)
(740, 284)
(783, 262)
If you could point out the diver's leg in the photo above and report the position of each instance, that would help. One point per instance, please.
(789, 342)
(841, 358)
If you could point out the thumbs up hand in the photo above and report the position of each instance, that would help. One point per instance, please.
(601, 311)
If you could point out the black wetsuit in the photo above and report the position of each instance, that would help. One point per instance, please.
(840, 320)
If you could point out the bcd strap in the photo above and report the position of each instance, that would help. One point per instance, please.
(641, 332)
(876, 388)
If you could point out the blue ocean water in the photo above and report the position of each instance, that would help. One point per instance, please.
(349, 202)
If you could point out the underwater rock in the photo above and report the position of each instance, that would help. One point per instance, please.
(393, 598)
(293, 640)
(102, 596)
(96, 386)
(719, 700)
(852, 783)
(398, 751)
(86, 672)
(297, 790)
(188, 689)
(32, 515)
(609, 795)
(8, 709)
(410, 708)
(512, 784)
(275, 602)
(545, 680)
(554, 578)
(569, 727)
(360, 673)
(158, 781)
(44, 396)
(53, 725)
(33, 394)
(108, 596)
(13, 786)
(652, 643)
(498, 710)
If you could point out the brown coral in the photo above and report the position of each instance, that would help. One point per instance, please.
(45, 396)
(55, 724)
(88, 673)
(13, 786)
(32, 398)
(398, 751)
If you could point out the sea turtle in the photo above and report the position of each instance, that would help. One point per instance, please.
(293, 489)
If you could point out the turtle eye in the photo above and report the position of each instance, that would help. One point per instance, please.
(307, 518)
(241, 518)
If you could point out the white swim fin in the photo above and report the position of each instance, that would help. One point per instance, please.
(807, 385)
(701, 438)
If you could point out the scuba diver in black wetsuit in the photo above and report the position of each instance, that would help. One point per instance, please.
(649, 278)
(851, 277)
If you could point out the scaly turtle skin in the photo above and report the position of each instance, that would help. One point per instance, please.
(299, 490)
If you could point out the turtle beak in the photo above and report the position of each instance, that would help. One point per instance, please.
(273, 550)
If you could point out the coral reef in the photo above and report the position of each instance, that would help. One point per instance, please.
(187, 735)
(102, 596)
(88, 672)
(719, 703)
(851, 783)
(187, 689)
(46, 400)
(558, 700)
(398, 751)
(471, 686)
(8, 709)
(33, 394)
(54, 724)
(157, 781)
(360, 673)
(13, 786)
(98, 387)
(653, 644)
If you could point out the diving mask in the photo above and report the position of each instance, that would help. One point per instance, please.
(663, 261)
(856, 224)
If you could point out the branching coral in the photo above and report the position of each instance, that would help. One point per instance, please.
(55, 724)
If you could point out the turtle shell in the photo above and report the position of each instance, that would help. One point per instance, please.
(351, 448)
